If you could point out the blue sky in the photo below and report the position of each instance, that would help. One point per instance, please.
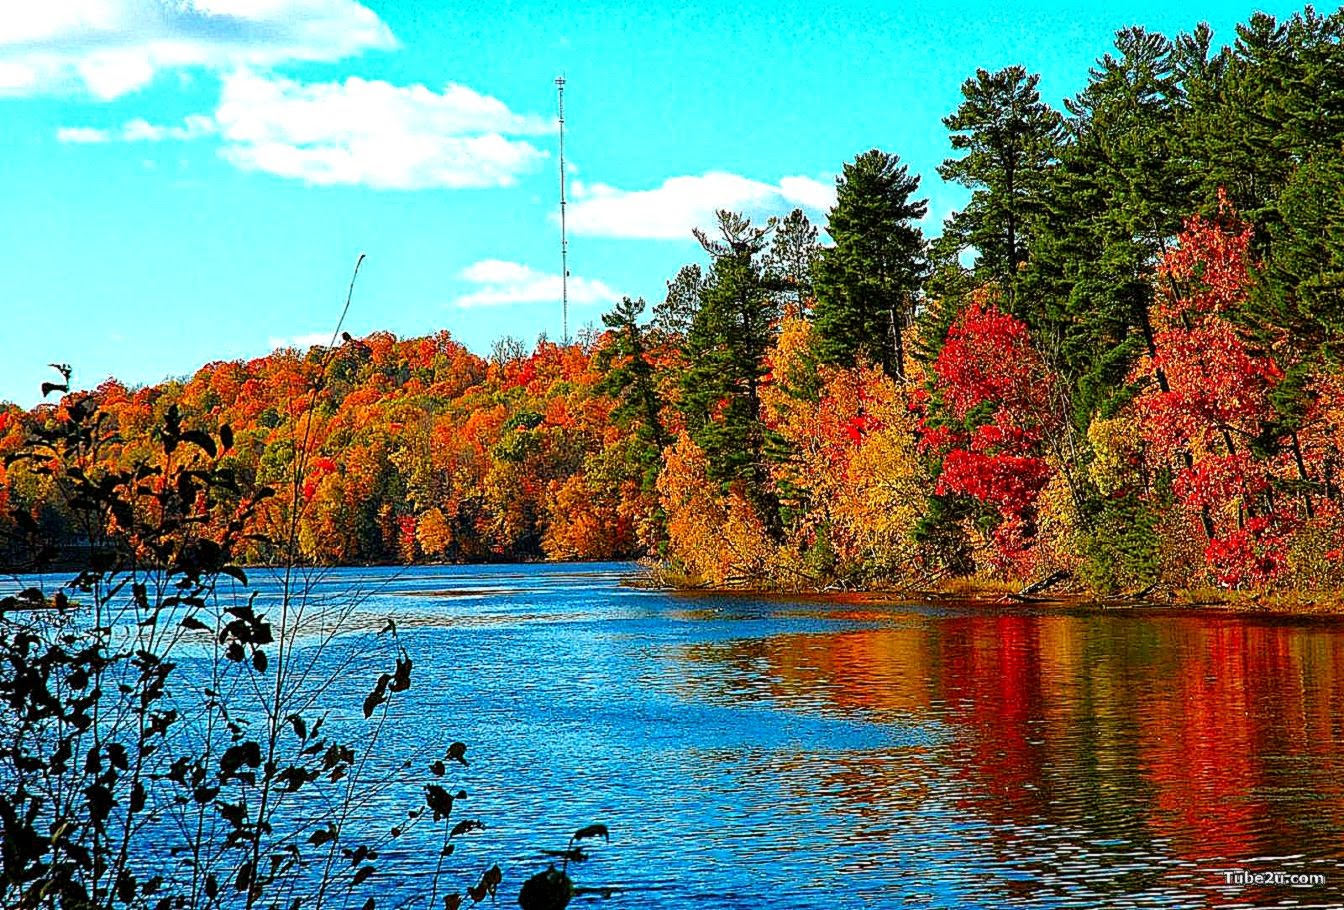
(192, 180)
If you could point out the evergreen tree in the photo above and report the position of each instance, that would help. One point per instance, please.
(947, 291)
(629, 376)
(1010, 140)
(725, 350)
(1118, 195)
(1300, 294)
(867, 284)
(672, 318)
(791, 259)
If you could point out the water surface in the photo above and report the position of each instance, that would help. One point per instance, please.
(795, 753)
(791, 753)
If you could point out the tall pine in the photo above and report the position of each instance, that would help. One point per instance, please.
(1010, 140)
(868, 283)
(725, 351)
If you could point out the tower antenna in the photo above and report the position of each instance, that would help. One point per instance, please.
(564, 237)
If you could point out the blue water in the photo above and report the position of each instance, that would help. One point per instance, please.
(796, 753)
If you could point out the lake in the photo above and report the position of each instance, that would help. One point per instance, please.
(777, 752)
(789, 753)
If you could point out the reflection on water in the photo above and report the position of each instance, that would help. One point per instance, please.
(763, 753)
(1087, 756)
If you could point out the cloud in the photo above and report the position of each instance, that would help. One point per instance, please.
(374, 133)
(682, 203)
(193, 127)
(84, 135)
(108, 48)
(356, 132)
(500, 282)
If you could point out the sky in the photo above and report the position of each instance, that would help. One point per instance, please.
(185, 181)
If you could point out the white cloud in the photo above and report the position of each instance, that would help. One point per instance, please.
(683, 203)
(374, 133)
(359, 131)
(808, 193)
(84, 135)
(111, 47)
(193, 127)
(500, 282)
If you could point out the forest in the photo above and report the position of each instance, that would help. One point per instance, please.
(1121, 361)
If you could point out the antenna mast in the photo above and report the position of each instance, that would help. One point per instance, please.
(564, 238)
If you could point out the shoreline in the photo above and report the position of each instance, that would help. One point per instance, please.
(1001, 598)
(985, 594)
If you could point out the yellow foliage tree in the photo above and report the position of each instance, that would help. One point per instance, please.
(852, 468)
(434, 533)
(695, 514)
(584, 523)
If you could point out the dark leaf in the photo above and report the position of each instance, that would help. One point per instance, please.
(100, 802)
(487, 886)
(125, 887)
(377, 696)
(439, 800)
(401, 679)
(592, 831)
(466, 827)
(323, 836)
(549, 890)
(202, 440)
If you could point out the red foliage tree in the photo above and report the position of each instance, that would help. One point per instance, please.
(997, 387)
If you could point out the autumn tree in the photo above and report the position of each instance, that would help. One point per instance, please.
(996, 393)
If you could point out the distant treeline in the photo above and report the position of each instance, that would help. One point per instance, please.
(1121, 360)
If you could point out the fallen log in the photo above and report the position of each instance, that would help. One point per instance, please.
(1044, 584)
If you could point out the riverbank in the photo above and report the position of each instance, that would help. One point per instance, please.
(987, 592)
(1001, 594)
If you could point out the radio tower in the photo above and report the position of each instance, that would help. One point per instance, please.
(564, 239)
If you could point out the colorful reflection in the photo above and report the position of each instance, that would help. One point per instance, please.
(1174, 747)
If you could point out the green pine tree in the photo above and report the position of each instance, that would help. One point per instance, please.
(1010, 140)
(725, 350)
(629, 376)
(867, 284)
